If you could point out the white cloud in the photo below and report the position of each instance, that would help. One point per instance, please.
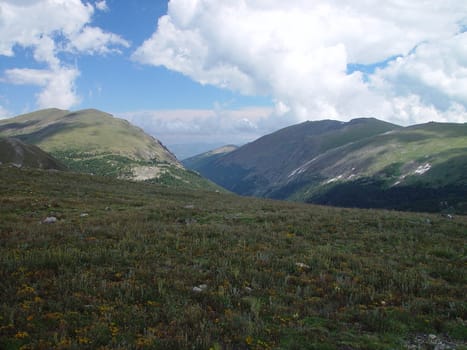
(26, 23)
(435, 71)
(93, 40)
(50, 28)
(102, 5)
(197, 126)
(58, 85)
(411, 110)
(298, 52)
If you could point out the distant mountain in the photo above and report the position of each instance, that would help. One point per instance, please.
(203, 162)
(95, 142)
(17, 153)
(260, 166)
(362, 163)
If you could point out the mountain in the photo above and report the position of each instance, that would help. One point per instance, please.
(258, 167)
(362, 163)
(17, 153)
(95, 142)
(204, 161)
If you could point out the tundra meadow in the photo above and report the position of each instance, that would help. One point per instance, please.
(125, 265)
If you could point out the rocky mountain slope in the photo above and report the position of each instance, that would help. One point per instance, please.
(361, 163)
(96, 142)
(15, 152)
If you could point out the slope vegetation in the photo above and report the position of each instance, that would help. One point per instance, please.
(96, 142)
(142, 266)
(362, 163)
(204, 161)
(19, 154)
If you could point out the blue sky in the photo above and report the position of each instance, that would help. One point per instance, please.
(153, 87)
(200, 73)
(113, 82)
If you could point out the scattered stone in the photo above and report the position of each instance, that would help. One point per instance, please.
(432, 341)
(302, 266)
(107, 209)
(83, 215)
(50, 220)
(248, 289)
(190, 221)
(189, 206)
(201, 288)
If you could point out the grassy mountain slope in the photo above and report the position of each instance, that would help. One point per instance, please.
(14, 151)
(205, 160)
(142, 266)
(96, 142)
(87, 131)
(362, 163)
(255, 168)
(423, 167)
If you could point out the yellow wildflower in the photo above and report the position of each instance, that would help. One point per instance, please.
(84, 340)
(114, 329)
(21, 335)
(249, 340)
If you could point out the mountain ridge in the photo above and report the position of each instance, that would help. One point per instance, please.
(277, 154)
(41, 127)
(305, 161)
(96, 142)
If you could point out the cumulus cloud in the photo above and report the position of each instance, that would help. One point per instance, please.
(196, 126)
(430, 81)
(102, 5)
(58, 85)
(301, 53)
(49, 28)
(93, 40)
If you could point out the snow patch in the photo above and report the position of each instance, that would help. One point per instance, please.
(422, 169)
(302, 168)
(334, 179)
(341, 177)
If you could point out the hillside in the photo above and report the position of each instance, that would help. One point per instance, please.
(143, 266)
(95, 142)
(361, 163)
(17, 153)
(204, 161)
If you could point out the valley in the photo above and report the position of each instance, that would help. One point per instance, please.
(107, 241)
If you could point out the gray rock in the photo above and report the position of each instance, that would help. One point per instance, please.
(50, 220)
(200, 288)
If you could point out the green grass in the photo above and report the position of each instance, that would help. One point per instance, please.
(97, 143)
(84, 131)
(279, 275)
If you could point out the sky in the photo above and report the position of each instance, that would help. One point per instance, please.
(198, 74)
